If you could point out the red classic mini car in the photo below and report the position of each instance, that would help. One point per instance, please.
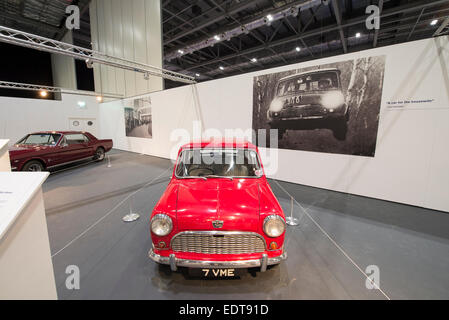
(45, 150)
(218, 214)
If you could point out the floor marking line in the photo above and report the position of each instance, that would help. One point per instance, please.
(108, 213)
(334, 242)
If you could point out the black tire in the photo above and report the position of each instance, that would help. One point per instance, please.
(33, 166)
(340, 129)
(99, 154)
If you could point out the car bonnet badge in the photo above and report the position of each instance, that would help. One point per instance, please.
(217, 224)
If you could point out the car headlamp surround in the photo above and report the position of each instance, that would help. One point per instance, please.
(161, 225)
(274, 226)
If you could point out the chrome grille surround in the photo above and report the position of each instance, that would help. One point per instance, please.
(218, 242)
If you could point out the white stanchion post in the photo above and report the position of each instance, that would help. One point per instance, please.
(109, 162)
(131, 216)
(291, 220)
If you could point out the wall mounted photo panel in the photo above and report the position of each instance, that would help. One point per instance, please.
(332, 108)
(138, 118)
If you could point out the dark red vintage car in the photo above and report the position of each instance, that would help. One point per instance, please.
(218, 214)
(45, 150)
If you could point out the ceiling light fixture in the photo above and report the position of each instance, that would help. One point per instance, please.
(217, 37)
(357, 35)
(221, 68)
(270, 17)
(298, 49)
(180, 51)
(197, 74)
(43, 93)
(99, 98)
(434, 22)
(254, 60)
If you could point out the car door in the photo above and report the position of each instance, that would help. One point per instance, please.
(77, 146)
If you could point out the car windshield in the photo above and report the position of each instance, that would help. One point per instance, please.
(218, 163)
(320, 81)
(40, 139)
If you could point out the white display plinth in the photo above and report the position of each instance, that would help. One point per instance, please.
(5, 164)
(26, 268)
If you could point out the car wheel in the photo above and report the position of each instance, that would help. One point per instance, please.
(340, 129)
(33, 165)
(99, 154)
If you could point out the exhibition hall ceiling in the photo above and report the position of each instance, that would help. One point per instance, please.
(212, 39)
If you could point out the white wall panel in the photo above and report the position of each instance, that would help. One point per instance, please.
(410, 165)
(118, 50)
(130, 30)
(19, 116)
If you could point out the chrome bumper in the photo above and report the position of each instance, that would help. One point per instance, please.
(177, 262)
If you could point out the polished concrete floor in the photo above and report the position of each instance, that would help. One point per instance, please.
(338, 238)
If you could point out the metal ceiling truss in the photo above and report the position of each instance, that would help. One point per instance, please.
(391, 13)
(34, 87)
(32, 41)
(276, 15)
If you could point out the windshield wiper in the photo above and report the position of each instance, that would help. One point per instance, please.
(194, 177)
(219, 177)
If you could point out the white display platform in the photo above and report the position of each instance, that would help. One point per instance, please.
(26, 268)
(5, 164)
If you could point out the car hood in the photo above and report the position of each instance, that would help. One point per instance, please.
(235, 202)
(18, 151)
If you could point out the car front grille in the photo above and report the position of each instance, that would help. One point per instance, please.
(218, 242)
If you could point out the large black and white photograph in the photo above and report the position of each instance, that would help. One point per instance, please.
(138, 118)
(332, 108)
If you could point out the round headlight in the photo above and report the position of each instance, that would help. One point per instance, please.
(276, 105)
(273, 226)
(161, 225)
(333, 100)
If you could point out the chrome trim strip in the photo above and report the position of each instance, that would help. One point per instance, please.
(73, 161)
(176, 262)
(212, 233)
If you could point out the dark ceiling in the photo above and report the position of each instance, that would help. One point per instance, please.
(320, 28)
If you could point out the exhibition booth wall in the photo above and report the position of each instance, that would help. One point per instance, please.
(19, 116)
(396, 148)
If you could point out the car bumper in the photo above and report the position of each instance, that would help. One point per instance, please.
(175, 262)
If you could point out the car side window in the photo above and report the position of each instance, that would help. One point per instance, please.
(76, 138)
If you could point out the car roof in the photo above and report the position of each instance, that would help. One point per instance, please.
(58, 132)
(219, 143)
(307, 72)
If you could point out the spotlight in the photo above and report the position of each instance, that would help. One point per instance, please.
(89, 64)
(99, 99)
(221, 67)
(270, 17)
(197, 74)
(217, 37)
(180, 51)
(434, 22)
(146, 76)
(357, 35)
(43, 93)
(298, 49)
(254, 60)
(294, 11)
